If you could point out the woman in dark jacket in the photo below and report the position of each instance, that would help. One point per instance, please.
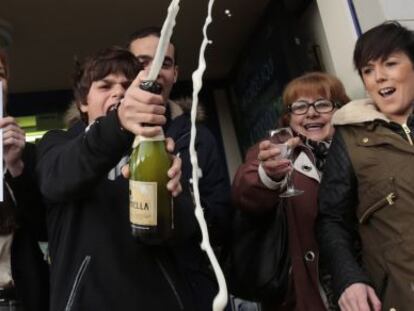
(310, 101)
(368, 181)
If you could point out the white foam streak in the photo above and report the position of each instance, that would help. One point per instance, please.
(165, 36)
(220, 301)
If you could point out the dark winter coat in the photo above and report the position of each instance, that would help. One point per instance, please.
(251, 195)
(367, 189)
(29, 269)
(215, 199)
(96, 264)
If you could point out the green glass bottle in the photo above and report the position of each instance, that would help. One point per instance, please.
(150, 207)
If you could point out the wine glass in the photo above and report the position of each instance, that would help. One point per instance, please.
(279, 138)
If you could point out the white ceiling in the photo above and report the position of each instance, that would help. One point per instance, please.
(46, 34)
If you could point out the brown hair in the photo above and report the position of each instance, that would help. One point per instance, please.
(113, 60)
(313, 84)
(381, 41)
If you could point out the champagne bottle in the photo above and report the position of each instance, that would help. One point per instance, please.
(151, 209)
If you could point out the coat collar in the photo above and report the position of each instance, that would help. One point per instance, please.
(357, 112)
(305, 166)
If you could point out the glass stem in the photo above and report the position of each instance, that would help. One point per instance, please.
(289, 179)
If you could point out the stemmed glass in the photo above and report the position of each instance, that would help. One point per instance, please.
(279, 138)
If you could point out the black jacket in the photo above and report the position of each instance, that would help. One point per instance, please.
(337, 224)
(96, 264)
(215, 199)
(29, 270)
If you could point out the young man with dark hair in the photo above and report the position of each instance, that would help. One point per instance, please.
(143, 44)
(95, 262)
(23, 271)
(214, 184)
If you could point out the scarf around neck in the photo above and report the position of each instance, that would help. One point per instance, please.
(319, 149)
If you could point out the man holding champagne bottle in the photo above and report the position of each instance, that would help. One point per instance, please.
(96, 264)
(214, 183)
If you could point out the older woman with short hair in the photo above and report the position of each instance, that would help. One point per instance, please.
(310, 101)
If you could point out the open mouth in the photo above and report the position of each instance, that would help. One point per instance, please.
(386, 91)
(111, 107)
(314, 126)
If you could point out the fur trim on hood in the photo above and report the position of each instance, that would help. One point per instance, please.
(72, 115)
(358, 111)
(183, 105)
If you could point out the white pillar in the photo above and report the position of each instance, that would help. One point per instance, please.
(341, 35)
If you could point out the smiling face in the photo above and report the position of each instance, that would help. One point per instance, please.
(319, 89)
(313, 125)
(104, 95)
(390, 83)
(144, 50)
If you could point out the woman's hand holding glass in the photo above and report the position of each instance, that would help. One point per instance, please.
(275, 156)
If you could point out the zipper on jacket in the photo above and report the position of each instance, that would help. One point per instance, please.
(389, 199)
(407, 132)
(170, 282)
(182, 137)
(78, 279)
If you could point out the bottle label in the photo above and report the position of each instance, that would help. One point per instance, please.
(143, 203)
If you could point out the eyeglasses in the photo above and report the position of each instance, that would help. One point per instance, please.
(321, 106)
